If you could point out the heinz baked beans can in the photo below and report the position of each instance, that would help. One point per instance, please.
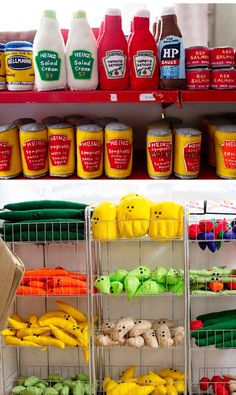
(89, 148)
(212, 126)
(187, 152)
(118, 150)
(197, 78)
(223, 79)
(23, 121)
(10, 159)
(34, 150)
(61, 150)
(159, 153)
(225, 148)
(197, 57)
(222, 57)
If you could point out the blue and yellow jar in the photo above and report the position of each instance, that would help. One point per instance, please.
(19, 66)
(2, 67)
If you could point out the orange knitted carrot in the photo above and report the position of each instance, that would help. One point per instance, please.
(25, 290)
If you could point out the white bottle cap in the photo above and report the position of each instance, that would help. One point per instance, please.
(142, 13)
(168, 11)
(113, 12)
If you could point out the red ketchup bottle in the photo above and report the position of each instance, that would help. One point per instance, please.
(142, 50)
(113, 53)
(101, 32)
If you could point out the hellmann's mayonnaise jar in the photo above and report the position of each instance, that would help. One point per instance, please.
(10, 159)
(61, 150)
(34, 150)
(89, 148)
(2, 67)
(187, 151)
(118, 150)
(159, 153)
(225, 149)
(19, 65)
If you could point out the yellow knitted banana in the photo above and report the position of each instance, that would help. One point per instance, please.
(128, 373)
(16, 317)
(8, 332)
(15, 341)
(77, 314)
(57, 321)
(86, 354)
(151, 379)
(138, 390)
(30, 332)
(17, 324)
(61, 335)
(179, 385)
(57, 313)
(171, 390)
(109, 384)
(33, 319)
(45, 341)
(160, 390)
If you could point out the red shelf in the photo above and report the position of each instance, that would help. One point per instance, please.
(203, 96)
(140, 171)
(96, 96)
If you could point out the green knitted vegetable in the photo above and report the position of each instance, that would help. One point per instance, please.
(82, 377)
(142, 273)
(65, 390)
(61, 224)
(150, 287)
(172, 276)
(118, 275)
(131, 285)
(159, 275)
(227, 344)
(116, 288)
(103, 284)
(216, 339)
(78, 389)
(17, 389)
(31, 381)
(44, 236)
(16, 216)
(42, 204)
(219, 314)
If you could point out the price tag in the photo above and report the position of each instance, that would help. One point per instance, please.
(113, 97)
(147, 97)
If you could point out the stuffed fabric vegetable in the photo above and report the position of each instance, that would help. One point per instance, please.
(166, 221)
(133, 217)
(104, 222)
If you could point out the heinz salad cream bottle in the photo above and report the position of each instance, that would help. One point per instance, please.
(49, 54)
(81, 54)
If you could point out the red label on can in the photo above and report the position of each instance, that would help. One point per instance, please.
(197, 79)
(229, 153)
(223, 79)
(59, 149)
(197, 56)
(192, 157)
(160, 154)
(5, 156)
(222, 56)
(119, 153)
(35, 152)
(90, 154)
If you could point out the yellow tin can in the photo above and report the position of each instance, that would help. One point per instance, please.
(73, 118)
(159, 153)
(187, 152)
(159, 123)
(212, 126)
(118, 150)
(2, 67)
(23, 121)
(225, 146)
(89, 147)
(19, 65)
(10, 159)
(61, 150)
(34, 150)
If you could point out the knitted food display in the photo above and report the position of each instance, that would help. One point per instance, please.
(104, 222)
(166, 221)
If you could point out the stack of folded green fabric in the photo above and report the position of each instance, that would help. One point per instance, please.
(43, 220)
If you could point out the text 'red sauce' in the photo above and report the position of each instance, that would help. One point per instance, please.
(171, 52)
(142, 54)
(113, 53)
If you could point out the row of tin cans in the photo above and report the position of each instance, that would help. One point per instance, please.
(219, 57)
(59, 148)
(203, 78)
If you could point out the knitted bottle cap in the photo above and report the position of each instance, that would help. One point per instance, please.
(79, 14)
(50, 14)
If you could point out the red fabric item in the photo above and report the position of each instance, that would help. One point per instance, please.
(143, 63)
(113, 56)
(222, 225)
(194, 231)
(226, 381)
(204, 383)
(216, 379)
(194, 325)
(206, 226)
(219, 389)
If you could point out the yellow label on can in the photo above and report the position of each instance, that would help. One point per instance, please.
(34, 153)
(61, 150)
(2, 68)
(211, 144)
(19, 67)
(89, 153)
(187, 155)
(159, 156)
(118, 153)
(10, 158)
(225, 146)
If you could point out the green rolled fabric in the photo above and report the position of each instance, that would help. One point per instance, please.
(44, 204)
(224, 313)
(216, 339)
(209, 330)
(202, 334)
(62, 224)
(214, 321)
(227, 344)
(44, 236)
(17, 216)
(201, 292)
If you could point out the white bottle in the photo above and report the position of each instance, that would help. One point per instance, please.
(81, 54)
(49, 54)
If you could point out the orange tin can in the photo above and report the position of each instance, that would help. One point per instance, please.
(34, 150)
(10, 159)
